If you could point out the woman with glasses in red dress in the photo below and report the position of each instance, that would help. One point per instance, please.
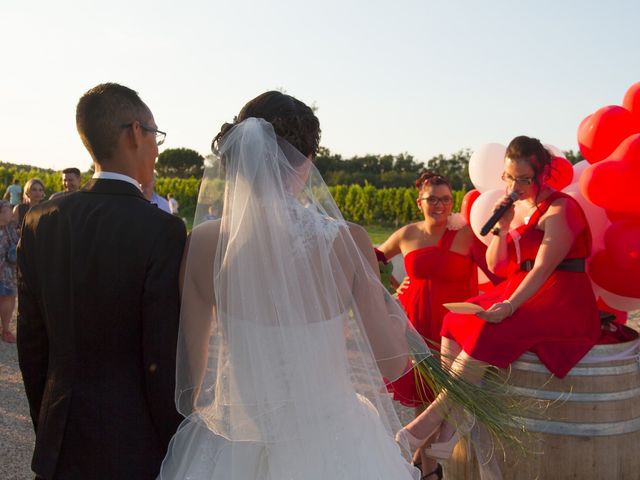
(441, 255)
(545, 306)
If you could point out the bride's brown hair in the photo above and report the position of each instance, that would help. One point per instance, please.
(292, 120)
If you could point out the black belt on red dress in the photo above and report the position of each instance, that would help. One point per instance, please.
(567, 265)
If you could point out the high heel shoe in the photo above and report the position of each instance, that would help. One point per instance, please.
(404, 437)
(437, 472)
(443, 450)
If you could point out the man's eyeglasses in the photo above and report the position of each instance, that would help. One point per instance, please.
(160, 136)
(433, 201)
(519, 181)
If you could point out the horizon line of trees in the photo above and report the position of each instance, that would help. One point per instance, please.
(385, 192)
(381, 171)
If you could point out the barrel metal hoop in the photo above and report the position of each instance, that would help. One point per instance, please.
(578, 371)
(580, 429)
(574, 396)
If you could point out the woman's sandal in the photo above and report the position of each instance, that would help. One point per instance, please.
(444, 450)
(8, 337)
(437, 472)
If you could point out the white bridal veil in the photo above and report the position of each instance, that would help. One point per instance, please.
(286, 332)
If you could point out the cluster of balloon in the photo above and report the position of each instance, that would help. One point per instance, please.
(609, 140)
(606, 185)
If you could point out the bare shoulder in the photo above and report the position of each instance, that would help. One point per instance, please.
(409, 229)
(359, 235)
(201, 244)
(393, 243)
(564, 207)
(199, 253)
(465, 232)
(563, 212)
(464, 239)
(205, 236)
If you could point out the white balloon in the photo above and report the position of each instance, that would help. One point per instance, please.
(481, 210)
(486, 165)
(578, 168)
(596, 217)
(626, 304)
(555, 151)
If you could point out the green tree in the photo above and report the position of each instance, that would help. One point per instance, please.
(380, 171)
(326, 162)
(455, 168)
(573, 157)
(180, 163)
(405, 163)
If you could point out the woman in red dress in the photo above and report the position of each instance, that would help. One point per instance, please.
(440, 256)
(546, 305)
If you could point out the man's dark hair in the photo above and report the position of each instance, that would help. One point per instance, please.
(74, 170)
(101, 115)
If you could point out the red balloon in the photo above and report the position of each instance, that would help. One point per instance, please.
(622, 240)
(632, 99)
(614, 184)
(614, 216)
(561, 173)
(601, 133)
(617, 279)
(467, 203)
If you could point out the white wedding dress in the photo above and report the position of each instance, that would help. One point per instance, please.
(343, 438)
(286, 332)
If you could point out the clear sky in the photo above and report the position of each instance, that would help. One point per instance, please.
(423, 77)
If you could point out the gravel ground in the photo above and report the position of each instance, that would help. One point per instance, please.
(16, 439)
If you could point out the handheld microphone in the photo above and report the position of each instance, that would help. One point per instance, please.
(498, 213)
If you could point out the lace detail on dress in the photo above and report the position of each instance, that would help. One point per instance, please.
(310, 226)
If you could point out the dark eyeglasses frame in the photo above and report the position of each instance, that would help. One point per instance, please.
(520, 181)
(433, 201)
(160, 135)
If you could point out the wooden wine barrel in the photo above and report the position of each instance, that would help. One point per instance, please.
(591, 429)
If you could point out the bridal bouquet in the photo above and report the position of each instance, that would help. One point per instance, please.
(491, 403)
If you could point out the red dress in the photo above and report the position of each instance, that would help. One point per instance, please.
(438, 276)
(560, 322)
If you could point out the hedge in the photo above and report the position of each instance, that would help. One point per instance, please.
(382, 206)
(366, 204)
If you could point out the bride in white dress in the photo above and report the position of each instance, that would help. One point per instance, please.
(287, 336)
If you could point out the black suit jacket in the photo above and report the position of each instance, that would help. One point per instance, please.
(97, 331)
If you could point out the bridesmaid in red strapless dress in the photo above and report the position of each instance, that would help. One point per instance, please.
(440, 261)
(437, 275)
(546, 305)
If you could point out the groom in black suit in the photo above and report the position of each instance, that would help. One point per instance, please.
(99, 306)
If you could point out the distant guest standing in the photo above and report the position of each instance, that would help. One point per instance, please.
(173, 203)
(13, 193)
(148, 190)
(33, 195)
(99, 306)
(70, 182)
(8, 241)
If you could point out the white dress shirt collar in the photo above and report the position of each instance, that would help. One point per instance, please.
(116, 176)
